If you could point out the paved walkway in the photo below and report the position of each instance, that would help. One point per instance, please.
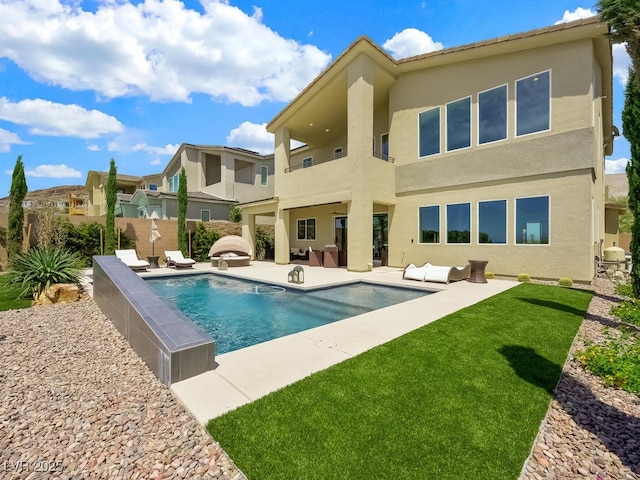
(245, 375)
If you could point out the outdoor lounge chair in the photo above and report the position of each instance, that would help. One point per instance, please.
(174, 258)
(234, 249)
(131, 260)
(435, 273)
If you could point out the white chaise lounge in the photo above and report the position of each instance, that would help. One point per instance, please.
(436, 273)
(131, 260)
(174, 258)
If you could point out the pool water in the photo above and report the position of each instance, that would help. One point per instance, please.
(239, 313)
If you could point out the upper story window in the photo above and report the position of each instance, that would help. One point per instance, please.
(429, 224)
(307, 162)
(429, 125)
(532, 221)
(492, 115)
(533, 103)
(153, 186)
(264, 175)
(492, 222)
(384, 146)
(174, 183)
(459, 124)
(459, 223)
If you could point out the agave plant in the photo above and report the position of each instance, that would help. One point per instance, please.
(42, 267)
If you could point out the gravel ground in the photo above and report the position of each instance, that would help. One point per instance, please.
(590, 431)
(76, 402)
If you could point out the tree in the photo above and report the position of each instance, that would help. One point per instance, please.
(182, 212)
(235, 214)
(623, 17)
(631, 127)
(16, 213)
(110, 224)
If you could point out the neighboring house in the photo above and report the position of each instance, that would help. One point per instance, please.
(217, 178)
(490, 151)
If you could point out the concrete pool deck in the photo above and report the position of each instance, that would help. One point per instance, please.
(245, 375)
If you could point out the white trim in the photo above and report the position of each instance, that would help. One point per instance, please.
(446, 223)
(420, 242)
(515, 106)
(446, 124)
(506, 222)
(264, 168)
(506, 126)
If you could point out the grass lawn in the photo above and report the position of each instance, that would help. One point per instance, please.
(461, 398)
(8, 297)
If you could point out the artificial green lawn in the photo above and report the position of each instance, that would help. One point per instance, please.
(8, 297)
(461, 398)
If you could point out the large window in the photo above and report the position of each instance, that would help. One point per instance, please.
(307, 229)
(429, 124)
(264, 175)
(459, 223)
(533, 105)
(492, 115)
(459, 124)
(532, 221)
(492, 222)
(174, 183)
(429, 224)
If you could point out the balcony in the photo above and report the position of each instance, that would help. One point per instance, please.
(337, 156)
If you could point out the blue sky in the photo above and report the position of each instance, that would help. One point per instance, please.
(82, 82)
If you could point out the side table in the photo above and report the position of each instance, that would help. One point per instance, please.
(153, 261)
(477, 271)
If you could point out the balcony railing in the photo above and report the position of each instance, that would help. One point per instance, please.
(336, 156)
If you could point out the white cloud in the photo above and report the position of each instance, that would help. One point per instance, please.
(161, 49)
(93, 148)
(410, 42)
(166, 150)
(621, 63)
(616, 166)
(252, 136)
(59, 120)
(577, 14)
(53, 171)
(155, 161)
(7, 139)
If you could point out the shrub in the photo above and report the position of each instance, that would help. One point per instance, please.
(624, 289)
(524, 277)
(616, 361)
(203, 238)
(565, 282)
(489, 275)
(235, 214)
(264, 242)
(42, 267)
(85, 240)
(628, 311)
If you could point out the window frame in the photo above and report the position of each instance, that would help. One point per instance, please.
(202, 210)
(307, 162)
(420, 242)
(383, 143)
(446, 122)
(506, 222)
(515, 123)
(446, 223)
(306, 229)
(264, 175)
(515, 221)
(439, 136)
(338, 152)
(506, 119)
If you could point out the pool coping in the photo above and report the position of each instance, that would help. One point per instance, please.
(244, 375)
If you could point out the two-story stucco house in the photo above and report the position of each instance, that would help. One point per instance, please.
(490, 151)
(217, 178)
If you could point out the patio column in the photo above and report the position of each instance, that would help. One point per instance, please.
(282, 237)
(249, 231)
(360, 237)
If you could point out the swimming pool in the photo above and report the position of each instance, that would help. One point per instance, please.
(240, 313)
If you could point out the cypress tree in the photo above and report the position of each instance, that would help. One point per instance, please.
(631, 128)
(623, 18)
(182, 212)
(110, 224)
(16, 213)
